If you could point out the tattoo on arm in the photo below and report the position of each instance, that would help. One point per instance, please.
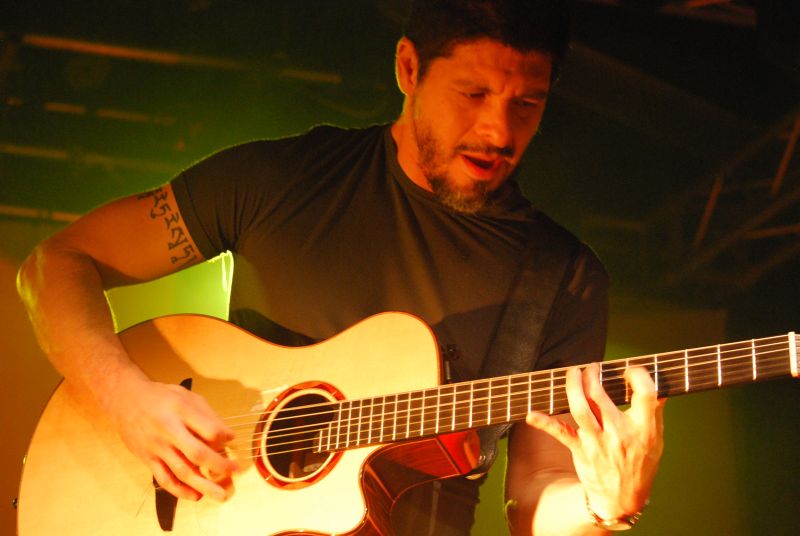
(182, 253)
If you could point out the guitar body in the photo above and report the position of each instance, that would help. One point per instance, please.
(80, 479)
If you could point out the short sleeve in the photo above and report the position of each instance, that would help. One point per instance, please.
(220, 196)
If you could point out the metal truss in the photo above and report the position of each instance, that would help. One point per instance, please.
(726, 232)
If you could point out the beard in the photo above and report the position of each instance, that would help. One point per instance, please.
(433, 161)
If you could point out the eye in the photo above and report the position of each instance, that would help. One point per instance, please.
(526, 108)
(474, 95)
(528, 103)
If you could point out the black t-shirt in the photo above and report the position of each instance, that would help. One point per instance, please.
(326, 229)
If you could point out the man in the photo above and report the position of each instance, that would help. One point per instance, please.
(332, 226)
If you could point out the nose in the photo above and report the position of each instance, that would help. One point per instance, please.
(494, 124)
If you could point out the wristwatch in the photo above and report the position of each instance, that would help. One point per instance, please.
(624, 522)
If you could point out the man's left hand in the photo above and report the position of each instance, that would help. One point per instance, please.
(616, 453)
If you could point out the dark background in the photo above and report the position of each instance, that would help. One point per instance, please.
(658, 100)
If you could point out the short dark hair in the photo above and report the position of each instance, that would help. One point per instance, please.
(437, 26)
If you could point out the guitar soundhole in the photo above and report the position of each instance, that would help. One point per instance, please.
(288, 438)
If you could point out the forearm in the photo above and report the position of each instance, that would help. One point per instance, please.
(561, 510)
(63, 293)
(555, 505)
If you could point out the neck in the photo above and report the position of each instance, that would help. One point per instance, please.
(461, 406)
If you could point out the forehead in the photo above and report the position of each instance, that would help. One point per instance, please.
(488, 57)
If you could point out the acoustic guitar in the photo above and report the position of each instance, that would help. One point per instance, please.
(329, 435)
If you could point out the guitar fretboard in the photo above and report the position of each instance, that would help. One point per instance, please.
(465, 405)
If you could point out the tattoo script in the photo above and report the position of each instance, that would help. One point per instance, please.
(182, 253)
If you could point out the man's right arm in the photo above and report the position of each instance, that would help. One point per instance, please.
(62, 283)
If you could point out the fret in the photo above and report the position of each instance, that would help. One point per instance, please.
(368, 419)
(613, 378)
(359, 422)
(755, 361)
(552, 390)
(793, 354)
(401, 416)
(341, 431)
(499, 400)
(387, 418)
(671, 373)
(480, 403)
(462, 408)
(736, 363)
(393, 413)
(560, 404)
(356, 439)
(627, 386)
(775, 356)
(655, 371)
(447, 414)
(424, 399)
(430, 408)
(438, 404)
(338, 426)
(350, 439)
(471, 401)
(414, 414)
(719, 367)
(328, 439)
(529, 389)
(518, 400)
(383, 416)
(508, 400)
(702, 368)
(489, 404)
(686, 385)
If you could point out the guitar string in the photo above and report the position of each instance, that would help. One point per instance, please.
(411, 413)
(535, 394)
(309, 443)
(609, 368)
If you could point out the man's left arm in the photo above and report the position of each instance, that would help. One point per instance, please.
(597, 455)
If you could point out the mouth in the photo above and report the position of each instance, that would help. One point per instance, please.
(481, 167)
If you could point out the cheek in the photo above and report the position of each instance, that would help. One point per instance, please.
(525, 132)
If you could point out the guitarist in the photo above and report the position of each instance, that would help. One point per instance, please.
(334, 225)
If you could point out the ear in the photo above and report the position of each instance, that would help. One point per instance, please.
(406, 66)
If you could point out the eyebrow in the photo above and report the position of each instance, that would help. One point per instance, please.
(537, 94)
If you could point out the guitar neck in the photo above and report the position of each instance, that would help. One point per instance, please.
(474, 404)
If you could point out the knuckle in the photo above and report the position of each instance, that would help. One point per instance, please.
(183, 472)
(197, 454)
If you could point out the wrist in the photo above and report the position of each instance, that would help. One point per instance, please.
(624, 521)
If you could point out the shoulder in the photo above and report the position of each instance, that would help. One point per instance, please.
(290, 150)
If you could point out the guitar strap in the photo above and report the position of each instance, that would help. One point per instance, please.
(518, 335)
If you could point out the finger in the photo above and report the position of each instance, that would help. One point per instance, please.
(579, 405)
(603, 408)
(554, 427)
(644, 398)
(188, 474)
(165, 479)
(213, 464)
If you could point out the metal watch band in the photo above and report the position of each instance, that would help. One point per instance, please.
(615, 524)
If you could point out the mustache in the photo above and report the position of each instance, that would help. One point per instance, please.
(488, 150)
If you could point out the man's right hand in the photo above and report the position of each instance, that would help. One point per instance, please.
(178, 436)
